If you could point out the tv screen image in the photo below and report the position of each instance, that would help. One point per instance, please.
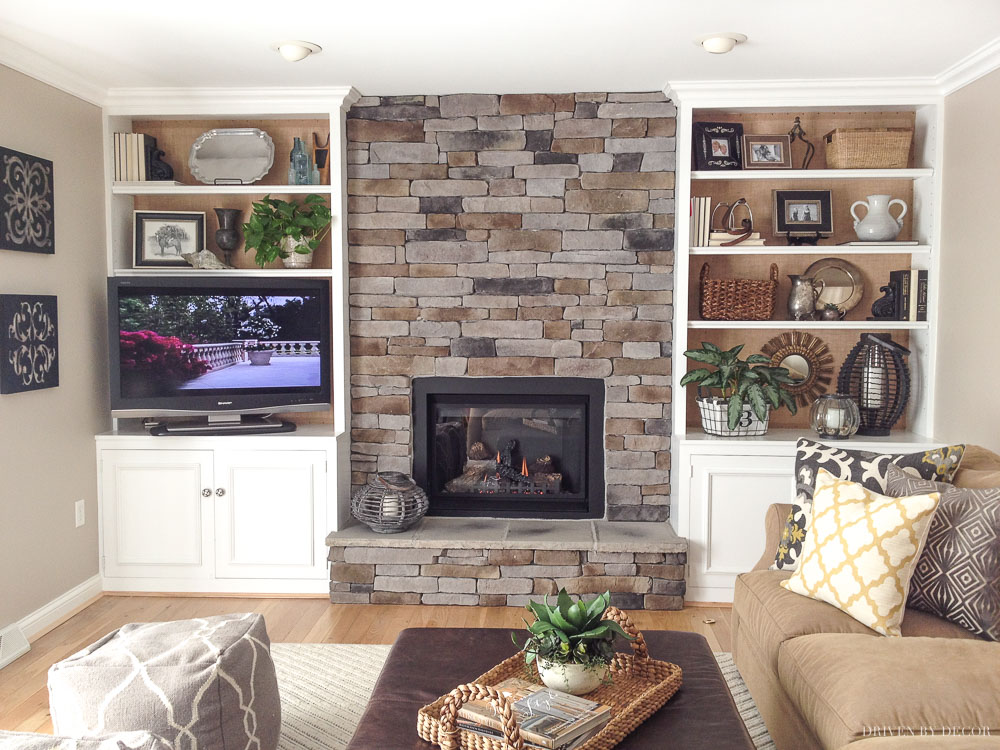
(228, 346)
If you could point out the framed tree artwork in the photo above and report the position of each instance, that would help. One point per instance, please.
(29, 343)
(163, 238)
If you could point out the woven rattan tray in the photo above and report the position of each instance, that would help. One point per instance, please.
(640, 686)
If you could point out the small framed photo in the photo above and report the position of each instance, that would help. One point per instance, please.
(766, 152)
(162, 238)
(718, 145)
(803, 212)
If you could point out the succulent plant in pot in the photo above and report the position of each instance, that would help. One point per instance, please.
(571, 642)
(750, 388)
(287, 230)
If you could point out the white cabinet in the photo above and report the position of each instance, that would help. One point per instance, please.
(726, 517)
(243, 514)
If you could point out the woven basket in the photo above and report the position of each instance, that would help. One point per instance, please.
(738, 299)
(868, 148)
(639, 688)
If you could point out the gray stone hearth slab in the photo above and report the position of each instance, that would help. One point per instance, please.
(637, 536)
(462, 533)
(529, 534)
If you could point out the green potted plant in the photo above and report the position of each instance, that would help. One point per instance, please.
(287, 230)
(571, 642)
(749, 388)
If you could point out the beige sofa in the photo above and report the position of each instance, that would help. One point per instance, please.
(823, 680)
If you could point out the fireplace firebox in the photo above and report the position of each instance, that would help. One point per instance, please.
(510, 447)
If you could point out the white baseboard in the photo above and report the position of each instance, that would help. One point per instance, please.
(59, 609)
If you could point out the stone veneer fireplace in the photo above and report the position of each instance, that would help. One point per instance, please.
(515, 235)
(510, 447)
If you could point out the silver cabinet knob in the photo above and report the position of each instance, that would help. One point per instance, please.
(220, 492)
(206, 492)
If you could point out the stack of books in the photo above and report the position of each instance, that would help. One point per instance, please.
(910, 287)
(548, 718)
(715, 239)
(701, 221)
(133, 154)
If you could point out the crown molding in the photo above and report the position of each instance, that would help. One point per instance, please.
(30, 63)
(794, 92)
(156, 100)
(984, 60)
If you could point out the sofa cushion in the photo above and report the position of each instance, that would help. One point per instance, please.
(772, 615)
(846, 685)
(121, 741)
(980, 468)
(862, 549)
(958, 574)
(864, 467)
(909, 741)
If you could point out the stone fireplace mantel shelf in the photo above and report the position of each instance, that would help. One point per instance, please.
(489, 533)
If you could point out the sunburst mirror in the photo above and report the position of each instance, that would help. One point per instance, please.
(808, 361)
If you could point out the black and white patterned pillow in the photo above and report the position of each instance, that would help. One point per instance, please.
(958, 574)
(865, 468)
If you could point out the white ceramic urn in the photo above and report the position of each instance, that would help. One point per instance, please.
(575, 679)
(878, 225)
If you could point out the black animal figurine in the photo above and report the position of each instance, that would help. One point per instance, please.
(884, 308)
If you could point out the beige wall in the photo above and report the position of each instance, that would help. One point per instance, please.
(46, 436)
(968, 400)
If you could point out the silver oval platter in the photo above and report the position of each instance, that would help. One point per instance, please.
(231, 156)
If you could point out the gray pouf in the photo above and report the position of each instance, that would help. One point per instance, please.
(204, 683)
(120, 741)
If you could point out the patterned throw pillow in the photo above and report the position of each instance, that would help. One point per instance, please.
(863, 467)
(861, 550)
(958, 575)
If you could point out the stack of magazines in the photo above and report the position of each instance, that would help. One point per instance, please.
(548, 718)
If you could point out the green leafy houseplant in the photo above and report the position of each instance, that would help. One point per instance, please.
(571, 632)
(741, 381)
(273, 220)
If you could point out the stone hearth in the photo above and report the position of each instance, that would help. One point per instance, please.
(492, 562)
(515, 235)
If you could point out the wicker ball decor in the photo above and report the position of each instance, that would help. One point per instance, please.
(389, 502)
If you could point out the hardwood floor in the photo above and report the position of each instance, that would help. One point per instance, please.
(24, 701)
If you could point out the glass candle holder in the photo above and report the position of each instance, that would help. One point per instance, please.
(835, 416)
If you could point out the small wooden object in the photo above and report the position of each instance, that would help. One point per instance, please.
(738, 299)
(640, 687)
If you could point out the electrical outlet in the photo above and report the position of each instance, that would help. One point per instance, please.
(81, 514)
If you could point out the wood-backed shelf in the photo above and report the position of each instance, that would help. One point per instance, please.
(790, 435)
(812, 174)
(810, 325)
(812, 250)
(154, 188)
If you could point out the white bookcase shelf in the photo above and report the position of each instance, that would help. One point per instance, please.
(157, 188)
(811, 250)
(811, 325)
(812, 174)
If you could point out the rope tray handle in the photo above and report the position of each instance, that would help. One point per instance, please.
(640, 653)
(450, 737)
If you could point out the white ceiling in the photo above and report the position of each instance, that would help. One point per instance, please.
(447, 46)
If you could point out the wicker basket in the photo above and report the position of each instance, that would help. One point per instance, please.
(640, 687)
(868, 148)
(738, 299)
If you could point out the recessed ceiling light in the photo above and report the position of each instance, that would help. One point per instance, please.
(720, 43)
(296, 50)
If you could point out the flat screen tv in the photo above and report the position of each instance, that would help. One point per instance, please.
(218, 347)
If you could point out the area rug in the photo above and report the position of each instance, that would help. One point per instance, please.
(324, 688)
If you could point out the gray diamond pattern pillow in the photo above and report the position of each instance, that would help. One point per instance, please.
(865, 468)
(958, 574)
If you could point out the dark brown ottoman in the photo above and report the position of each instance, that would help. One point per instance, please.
(426, 663)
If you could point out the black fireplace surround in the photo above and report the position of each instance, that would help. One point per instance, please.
(510, 447)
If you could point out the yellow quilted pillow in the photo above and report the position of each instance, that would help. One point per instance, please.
(861, 549)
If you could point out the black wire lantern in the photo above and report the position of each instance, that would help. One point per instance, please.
(877, 378)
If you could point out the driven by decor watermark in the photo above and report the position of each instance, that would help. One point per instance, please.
(940, 731)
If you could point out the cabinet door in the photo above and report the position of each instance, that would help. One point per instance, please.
(729, 495)
(270, 514)
(156, 522)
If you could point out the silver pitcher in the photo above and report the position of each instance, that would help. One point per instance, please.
(803, 297)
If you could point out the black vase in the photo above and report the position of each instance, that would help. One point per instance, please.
(227, 236)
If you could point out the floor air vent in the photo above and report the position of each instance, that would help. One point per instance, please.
(12, 644)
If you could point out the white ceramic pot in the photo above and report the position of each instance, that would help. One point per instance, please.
(878, 225)
(294, 259)
(575, 679)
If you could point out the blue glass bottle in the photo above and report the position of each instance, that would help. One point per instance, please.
(299, 163)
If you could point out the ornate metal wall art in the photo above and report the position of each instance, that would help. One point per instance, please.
(29, 343)
(27, 216)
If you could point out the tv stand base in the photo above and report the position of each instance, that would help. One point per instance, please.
(248, 424)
